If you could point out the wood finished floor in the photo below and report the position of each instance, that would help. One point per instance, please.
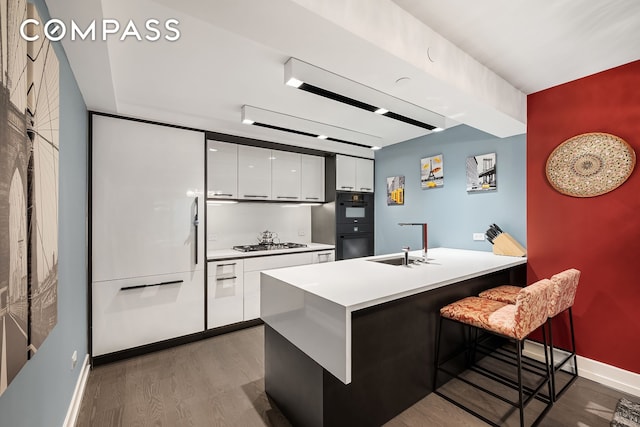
(220, 382)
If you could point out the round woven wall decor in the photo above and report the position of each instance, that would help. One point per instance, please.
(590, 164)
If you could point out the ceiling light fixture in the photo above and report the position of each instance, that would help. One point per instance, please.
(375, 148)
(437, 130)
(296, 125)
(337, 88)
(293, 82)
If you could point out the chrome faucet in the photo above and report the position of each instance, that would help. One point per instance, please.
(424, 236)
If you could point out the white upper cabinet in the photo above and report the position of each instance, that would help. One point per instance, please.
(285, 175)
(254, 173)
(222, 170)
(364, 175)
(312, 178)
(354, 174)
(345, 173)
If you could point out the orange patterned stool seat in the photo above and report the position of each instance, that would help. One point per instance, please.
(514, 321)
(504, 293)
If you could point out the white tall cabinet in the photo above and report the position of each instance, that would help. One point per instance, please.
(147, 245)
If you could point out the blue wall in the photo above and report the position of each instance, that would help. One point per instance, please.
(41, 393)
(453, 214)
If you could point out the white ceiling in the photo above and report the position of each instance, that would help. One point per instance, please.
(471, 62)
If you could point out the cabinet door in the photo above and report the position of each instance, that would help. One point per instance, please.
(148, 186)
(345, 173)
(285, 175)
(364, 175)
(254, 173)
(312, 178)
(222, 170)
(132, 312)
(225, 293)
(324, 256)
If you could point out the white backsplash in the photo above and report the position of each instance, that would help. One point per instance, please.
(229, 225)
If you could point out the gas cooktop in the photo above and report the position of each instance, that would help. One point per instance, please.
(268, 246)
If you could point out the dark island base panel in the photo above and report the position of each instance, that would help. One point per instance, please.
(393, 350)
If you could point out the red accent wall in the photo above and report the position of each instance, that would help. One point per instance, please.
(598, 235)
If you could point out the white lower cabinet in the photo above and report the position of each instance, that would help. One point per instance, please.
(252, 269)
(132, 312)
(225, 293)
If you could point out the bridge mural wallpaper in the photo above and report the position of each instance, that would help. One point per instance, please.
(29, 149)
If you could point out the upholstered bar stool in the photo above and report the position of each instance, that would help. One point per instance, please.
(563, 295)
(513, 321)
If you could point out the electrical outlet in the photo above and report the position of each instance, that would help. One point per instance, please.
(74, 359)
(301, 233)
(478, 236)
(212, 237)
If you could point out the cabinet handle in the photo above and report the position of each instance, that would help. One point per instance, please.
(220, 279)
(254, 195)
(344, 186)
(312, 198)
(222, 194)
(365, 188)
(224, 265)
(196, 222)
(128, 288)
(286, 197)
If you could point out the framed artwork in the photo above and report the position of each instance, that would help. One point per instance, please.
(395, 190)
(481, 173)
(29, 147)
(432, 172)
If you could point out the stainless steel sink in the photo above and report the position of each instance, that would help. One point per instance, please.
(396, 260)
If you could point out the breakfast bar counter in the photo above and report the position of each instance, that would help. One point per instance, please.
(352, 342)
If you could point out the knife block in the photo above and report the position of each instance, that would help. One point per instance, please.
(504, 244)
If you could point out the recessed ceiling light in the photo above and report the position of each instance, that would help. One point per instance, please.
(381, 111)
(293, 82)
(213, 149)
(248, 121)
(437, 130)
(322, 137)
(375, 147)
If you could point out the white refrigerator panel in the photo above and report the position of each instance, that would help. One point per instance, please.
(133, 312)
(148, 186)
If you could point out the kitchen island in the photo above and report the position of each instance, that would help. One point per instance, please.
(352, 342)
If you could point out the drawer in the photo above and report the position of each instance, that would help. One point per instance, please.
(132, 312)
(225, 293)
(277, 261)
(324, 256)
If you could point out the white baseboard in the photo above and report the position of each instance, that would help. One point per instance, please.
(76, 399)
(611, 376)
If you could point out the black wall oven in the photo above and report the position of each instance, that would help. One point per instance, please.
(354, 225)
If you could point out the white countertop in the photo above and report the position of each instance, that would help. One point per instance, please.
(311, 305)
(218, 254)
(360, 283)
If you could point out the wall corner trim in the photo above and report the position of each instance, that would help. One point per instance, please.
(78, 393)
(611, 376)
